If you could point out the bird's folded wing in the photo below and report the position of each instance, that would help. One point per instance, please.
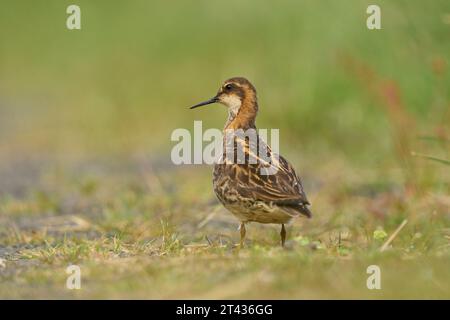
(283, 187)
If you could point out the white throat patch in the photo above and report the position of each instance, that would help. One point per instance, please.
(232, 102)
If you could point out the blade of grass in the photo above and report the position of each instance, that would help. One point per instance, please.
(435, 139)
(392, 237)
(446, 162)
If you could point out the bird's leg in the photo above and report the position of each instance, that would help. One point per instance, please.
(283, 235)
(242, 229)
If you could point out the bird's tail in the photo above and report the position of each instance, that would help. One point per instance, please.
(303, 208)
(297, 209)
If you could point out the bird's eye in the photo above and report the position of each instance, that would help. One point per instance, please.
(228, 86)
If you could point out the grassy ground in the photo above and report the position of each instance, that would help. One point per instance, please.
(85, 171)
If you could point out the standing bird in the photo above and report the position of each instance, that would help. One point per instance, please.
(273, 197)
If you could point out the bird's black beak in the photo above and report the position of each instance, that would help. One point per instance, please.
(204, 103)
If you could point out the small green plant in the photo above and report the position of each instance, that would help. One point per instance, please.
(379, 234)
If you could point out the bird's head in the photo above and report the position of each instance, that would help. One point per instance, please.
(237, 94)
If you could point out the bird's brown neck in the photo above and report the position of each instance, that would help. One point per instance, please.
(245, 117)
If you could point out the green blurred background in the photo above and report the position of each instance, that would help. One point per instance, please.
(124, 81)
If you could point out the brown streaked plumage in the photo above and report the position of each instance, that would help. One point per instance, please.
(240, 187)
